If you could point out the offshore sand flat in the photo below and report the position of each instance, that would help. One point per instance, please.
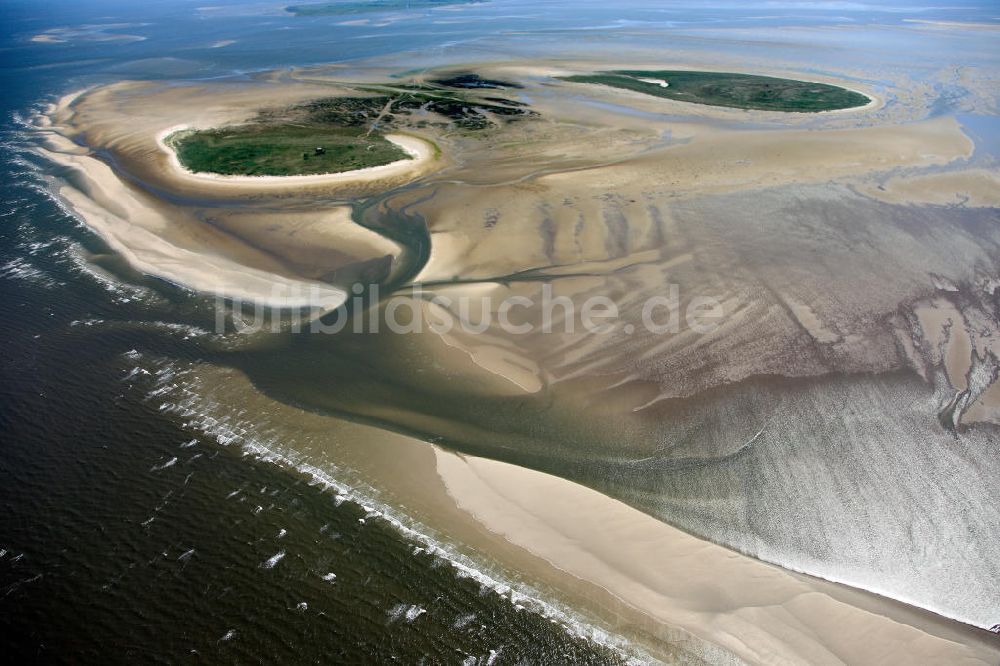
(676, 595)
(619, 195)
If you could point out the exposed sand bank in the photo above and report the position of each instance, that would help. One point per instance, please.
(671, 593)
(760, 613)
(272, 257)
(572, 203)
(616, 203)
(132, 120)
(719, 161)
(269, 255)
(157, 245)
(965, 187)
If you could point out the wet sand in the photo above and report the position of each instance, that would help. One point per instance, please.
(171, 240)
(611, 195)
(761, 613)
(158, 244)
(673, 594)
(979, 188)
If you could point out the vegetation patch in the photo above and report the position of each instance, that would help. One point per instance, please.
(408, 105)
(738, 91)
(337, 134)
(292, 150)
(472, 81)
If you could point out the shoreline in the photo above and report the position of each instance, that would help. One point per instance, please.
(739, 603)
(170, 242)
(669, 593)
(758, 610)
(157, 245)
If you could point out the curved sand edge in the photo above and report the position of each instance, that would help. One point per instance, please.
(760, 612)
(420, 151)
(875, 101)
(132, 227)
(614, 568)
(161, 242)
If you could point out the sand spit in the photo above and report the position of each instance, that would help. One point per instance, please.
(162, 242)
(136, 230)
(674, 594)
(971, 188)
(760, 613)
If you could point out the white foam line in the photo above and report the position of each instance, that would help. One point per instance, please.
(190, 405)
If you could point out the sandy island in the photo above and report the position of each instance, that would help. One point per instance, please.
(172, 242)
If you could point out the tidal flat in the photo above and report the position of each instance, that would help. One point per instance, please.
(812, 457)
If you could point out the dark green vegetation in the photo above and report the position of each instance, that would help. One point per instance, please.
(342, 8)
(415, 106)
(738, 91)
(284, 142)
(259, 149)
(471, 81)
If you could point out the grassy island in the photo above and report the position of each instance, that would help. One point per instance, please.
(738, 91)
(337, 134)
(274, 150)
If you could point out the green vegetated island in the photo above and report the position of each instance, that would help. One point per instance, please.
(348, 7)
(259, 149)
(738, 91)
(337, 134)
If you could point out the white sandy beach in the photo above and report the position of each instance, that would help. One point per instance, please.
(158, 245)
